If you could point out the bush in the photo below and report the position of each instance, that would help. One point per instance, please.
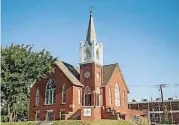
(4, 118)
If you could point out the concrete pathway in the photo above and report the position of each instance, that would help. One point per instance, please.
(47, 123)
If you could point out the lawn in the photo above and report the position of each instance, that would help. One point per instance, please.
(75, 122)
(95, 122)
(20, 123)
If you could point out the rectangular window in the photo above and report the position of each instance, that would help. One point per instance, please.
(79, 96)
(37, 114)
(54, 94)
(101, 97)
(37, 101)
(47, 98)
(110, 96)
(124, 99)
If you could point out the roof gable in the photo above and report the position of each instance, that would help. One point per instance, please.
(107, 74)
(70, 72)
(123, 78)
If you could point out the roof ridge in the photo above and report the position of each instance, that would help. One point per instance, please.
(68, 63)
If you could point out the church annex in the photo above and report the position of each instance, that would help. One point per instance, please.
(91, 91)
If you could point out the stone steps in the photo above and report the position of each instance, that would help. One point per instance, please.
(113, 113)
(76, 115)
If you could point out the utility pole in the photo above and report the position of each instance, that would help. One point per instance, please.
(161, 91)
(165, 113)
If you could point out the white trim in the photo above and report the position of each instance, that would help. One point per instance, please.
(110, 96)
(86, 93)
(52, 91)
(79, 96)
(37, 96)
(117, 95)
(63, 94)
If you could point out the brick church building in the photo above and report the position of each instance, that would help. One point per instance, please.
(91, 91)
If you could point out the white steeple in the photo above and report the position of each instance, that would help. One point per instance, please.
(91, 34)
(91, 50)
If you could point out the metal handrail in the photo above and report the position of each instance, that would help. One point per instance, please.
(40, 118)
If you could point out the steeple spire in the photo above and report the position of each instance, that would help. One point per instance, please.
(91, 35)
(90, 50)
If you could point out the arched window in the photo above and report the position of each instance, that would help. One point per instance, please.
(87, 95)
(37, 97)
(117, 95)
(79, 96)
(110, 96)
(50, 92)
(64, 94)
(88, 54)
(97, 54)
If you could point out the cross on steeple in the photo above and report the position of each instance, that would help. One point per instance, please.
(91, 8)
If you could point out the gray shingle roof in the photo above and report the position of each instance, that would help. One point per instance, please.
(73, 72)
(107, 72)
(70, 71)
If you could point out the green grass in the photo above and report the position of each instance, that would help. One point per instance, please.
(20, 123)
(95, 122)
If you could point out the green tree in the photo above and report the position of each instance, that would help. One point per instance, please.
(165, 113)
(20, 68)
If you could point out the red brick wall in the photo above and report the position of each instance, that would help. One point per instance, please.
(123, 108)
(116, 77)
(71, 96)
(93, 82)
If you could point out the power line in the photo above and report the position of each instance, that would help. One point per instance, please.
(155, 86)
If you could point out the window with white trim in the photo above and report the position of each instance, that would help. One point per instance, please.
(79, 96)
(37, 97)
(37, 114)
(50, 92)
(117, 95)
(63, 94)
(124, 103)
(87, 96)
(110, 96)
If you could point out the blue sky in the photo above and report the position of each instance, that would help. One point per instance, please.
(141, 35)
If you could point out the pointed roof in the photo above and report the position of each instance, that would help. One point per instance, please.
(107, 74)
(91, 35)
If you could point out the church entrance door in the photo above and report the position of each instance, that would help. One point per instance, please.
(87, 96)
(49, 115)
(88, 100)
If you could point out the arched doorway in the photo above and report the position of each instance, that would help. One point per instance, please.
(87, 96)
